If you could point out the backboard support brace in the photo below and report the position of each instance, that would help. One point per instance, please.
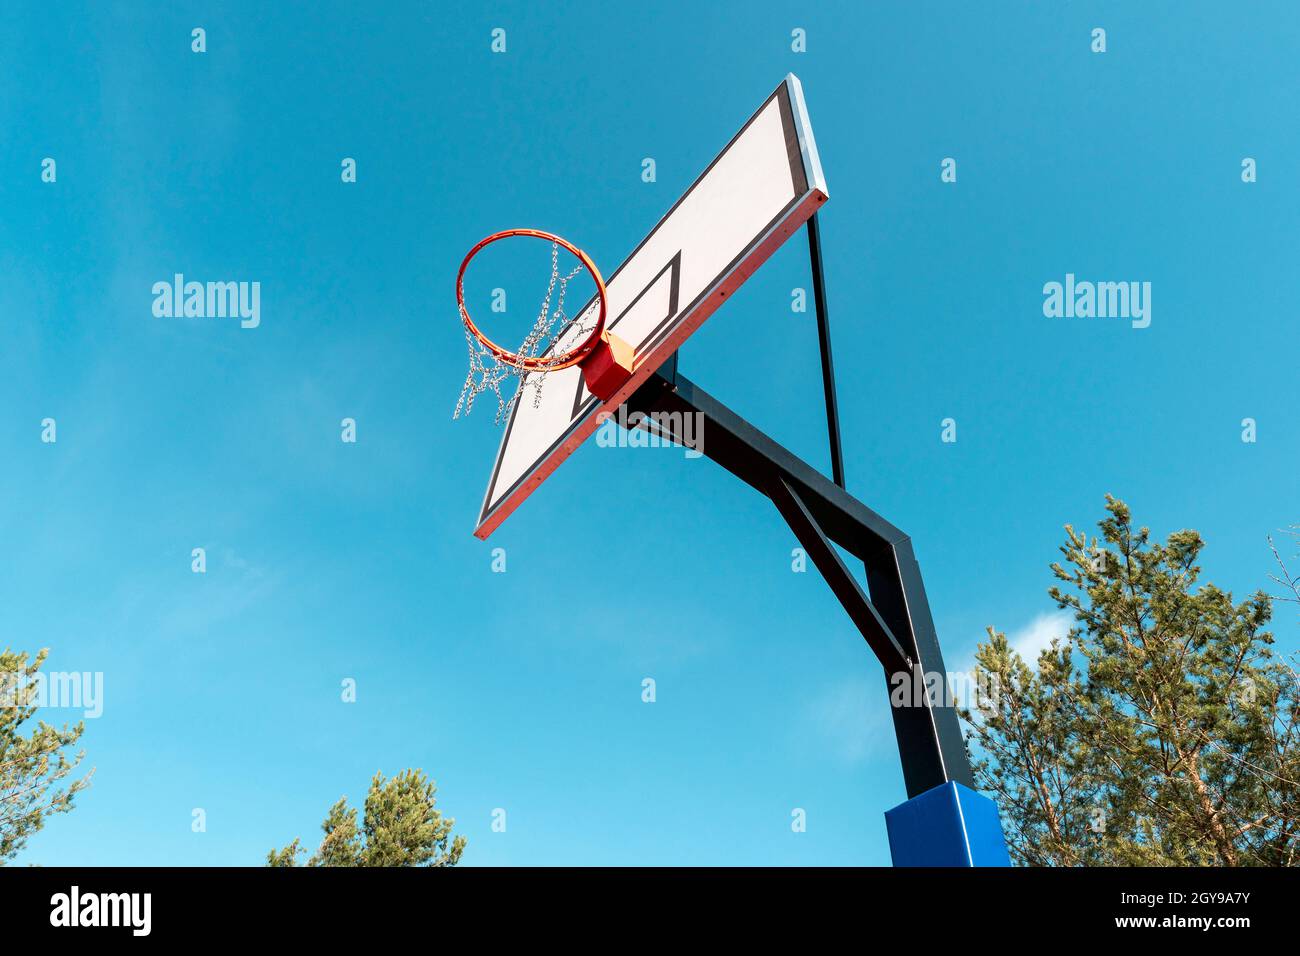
(895, 620)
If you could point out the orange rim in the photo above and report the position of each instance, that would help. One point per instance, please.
(534, 363)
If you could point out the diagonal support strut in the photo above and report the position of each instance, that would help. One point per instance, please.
(860, 610)
(928, 732)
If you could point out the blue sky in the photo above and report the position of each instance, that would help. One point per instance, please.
(521, 690)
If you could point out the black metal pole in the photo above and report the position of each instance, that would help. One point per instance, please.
(895, 618)
(824, 340)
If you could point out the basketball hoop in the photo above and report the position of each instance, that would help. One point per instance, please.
(606, 360)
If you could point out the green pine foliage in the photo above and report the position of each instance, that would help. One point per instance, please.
(1161, 731)
(401, 827)
(33, 769)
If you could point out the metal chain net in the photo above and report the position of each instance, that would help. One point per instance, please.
(488, 373)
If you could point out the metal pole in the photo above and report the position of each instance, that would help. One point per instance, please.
(824, 340)
(929, 736)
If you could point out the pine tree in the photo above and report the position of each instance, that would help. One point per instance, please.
(32, 769)
(401, 827)
(1161, 731)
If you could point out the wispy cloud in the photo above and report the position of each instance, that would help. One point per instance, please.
(1038, 635)
(232, 585)
(849, 718)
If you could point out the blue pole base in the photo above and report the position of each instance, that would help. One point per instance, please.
(950, 825)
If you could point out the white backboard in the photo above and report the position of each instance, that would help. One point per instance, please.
(762, 187)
